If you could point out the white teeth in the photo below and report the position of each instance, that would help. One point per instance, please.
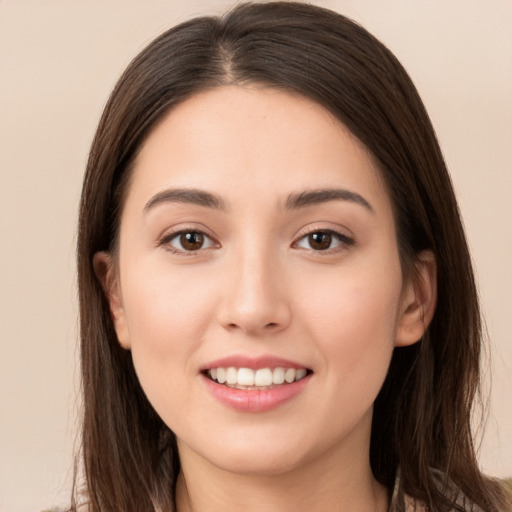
(278, 376)
(289, 375)
(261, 378)
(231, 375)
(245, 377)
(300, 374)
(221, 375)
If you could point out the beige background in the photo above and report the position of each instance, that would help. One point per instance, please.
(58, 61)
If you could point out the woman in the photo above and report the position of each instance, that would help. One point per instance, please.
(278, 309)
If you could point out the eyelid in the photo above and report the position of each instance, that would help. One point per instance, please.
(168, 236)
(345, 240)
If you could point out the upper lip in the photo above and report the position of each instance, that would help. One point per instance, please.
(241, 361)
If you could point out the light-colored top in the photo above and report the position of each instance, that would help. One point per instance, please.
(411, 504)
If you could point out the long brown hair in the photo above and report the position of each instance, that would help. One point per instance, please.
(422, 415)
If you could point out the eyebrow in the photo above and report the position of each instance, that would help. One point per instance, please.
(186, 195)
(313, 197)
(294, 201)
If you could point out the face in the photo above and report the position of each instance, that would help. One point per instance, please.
(257, 281)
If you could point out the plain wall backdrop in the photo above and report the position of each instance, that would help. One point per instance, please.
(59, 59)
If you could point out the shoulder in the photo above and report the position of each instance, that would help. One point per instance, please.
(413, 505)
(402, 502)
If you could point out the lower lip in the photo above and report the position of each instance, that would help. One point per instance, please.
(255, 400)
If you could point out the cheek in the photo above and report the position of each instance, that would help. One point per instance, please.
(166, 311)
(355, 324)
(354, 330)
(167, 316)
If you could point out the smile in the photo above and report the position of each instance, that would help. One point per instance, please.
(255, 385)
(255, 379)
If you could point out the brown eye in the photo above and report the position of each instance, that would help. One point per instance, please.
(320, 241)
(188, 241)
(324, 240)
(192, 241)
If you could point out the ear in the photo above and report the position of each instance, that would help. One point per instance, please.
(418, 303)
(106, 273)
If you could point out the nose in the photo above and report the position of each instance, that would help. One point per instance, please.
(255, 299)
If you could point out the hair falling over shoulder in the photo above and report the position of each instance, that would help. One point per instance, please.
(423, 414)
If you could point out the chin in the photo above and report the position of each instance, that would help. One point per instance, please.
(259, 453)
(259, 464)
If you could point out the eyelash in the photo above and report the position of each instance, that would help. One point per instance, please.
(167, 239)
(344, 241)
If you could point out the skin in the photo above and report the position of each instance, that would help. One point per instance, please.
(258, 287)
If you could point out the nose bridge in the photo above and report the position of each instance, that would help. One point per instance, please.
(255, 300)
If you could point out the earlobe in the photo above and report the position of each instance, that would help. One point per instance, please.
(419, 300)
(106, 274)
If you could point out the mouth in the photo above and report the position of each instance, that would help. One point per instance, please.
(259, 379)
(255, 384)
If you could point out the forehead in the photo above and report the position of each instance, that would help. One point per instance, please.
(241, 141)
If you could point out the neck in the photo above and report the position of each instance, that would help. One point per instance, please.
(331, 483)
